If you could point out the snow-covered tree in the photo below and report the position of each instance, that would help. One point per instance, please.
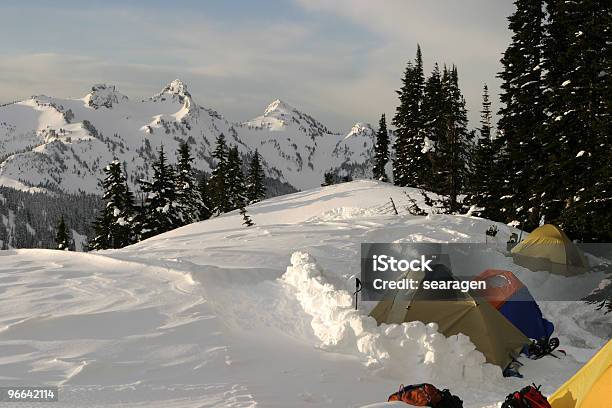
(204, 211)
(484, 177)
(236, 190)
(328, 179)
(452, 148)
(410, 162)
(381, 151)
(218, 180)
(246, 219)
(187, 194)
(62, 238)
(576, 186)
(160, 211)
(114, 226)
(256, 191)
(434, 126)
(522, 114)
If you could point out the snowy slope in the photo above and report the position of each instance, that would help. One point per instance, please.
(64, 144)
(217, 315)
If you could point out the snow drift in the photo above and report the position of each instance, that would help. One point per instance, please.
(414, 349)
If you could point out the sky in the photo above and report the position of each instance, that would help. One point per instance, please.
(339, 60)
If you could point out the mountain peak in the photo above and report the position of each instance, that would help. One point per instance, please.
(104, 95)
(279, 107)
(175, 90)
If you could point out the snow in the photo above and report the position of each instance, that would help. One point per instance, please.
(65, 143)
(215, 314)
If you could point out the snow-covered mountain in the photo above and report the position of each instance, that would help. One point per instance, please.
(63, 144)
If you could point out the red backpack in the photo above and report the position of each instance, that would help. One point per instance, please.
(419, 395)
(426, 395)
(528, 397)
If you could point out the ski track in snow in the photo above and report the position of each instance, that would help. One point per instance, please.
(207, 315)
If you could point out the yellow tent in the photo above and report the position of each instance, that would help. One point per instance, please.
(548, 248)
(590, 387)
(454, 312)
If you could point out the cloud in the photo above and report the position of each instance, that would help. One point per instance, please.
(340, 61)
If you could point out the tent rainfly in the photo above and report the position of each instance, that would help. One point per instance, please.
(590, 387)
(547, 248)
(455, 312)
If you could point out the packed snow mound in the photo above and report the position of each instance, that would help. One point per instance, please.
(397, 351)
(104, 96)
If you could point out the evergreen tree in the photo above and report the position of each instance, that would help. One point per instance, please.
(381, 151)
(256, 191)
(522, 114)
(576, 189)
(246, 219)
(62, 238)
(452, 149)
(204, 212)
(434, 126)
(328, 179)
(160, 211)
(114, 226)
(218, 179)
(483, 188)
(187, 194)
(236, 190)
(410, 164)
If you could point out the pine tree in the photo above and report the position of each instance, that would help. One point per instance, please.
(328, 179)
(434, 126)
(187, 194)
(204, 211)
(247, 221)
(381, 151)
(484, 178)
(236, 190)
(114, 226)
(160, 211)
(62, 238)
(218, 179)
(576, 189)
(452, 149)
(522, 114)
(410, 164)
(256, 191)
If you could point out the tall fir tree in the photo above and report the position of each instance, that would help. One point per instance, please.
(434, 126)
(218, 179)
(452, 148)
(236, 190)
(256, 191)
(484, 177)
(114, 226)
(187, 194)
(410, 160)
(522, 114)
(160, 211)
(381, 151)
(62, 238)
(576, 189)
(205, 209)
